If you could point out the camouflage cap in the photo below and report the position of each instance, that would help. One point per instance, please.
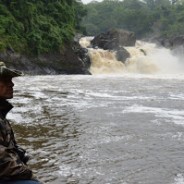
(6, 72)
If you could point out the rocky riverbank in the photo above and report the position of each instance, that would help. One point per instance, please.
(73, 59)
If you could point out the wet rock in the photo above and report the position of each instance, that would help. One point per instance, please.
(82, 54)
(114, 39)
(175, 44)
(143, 51)
(172, 42)
(122, 54)
(73, 59)
(165, 42)
(177, 41)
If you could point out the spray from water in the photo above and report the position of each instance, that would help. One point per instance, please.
(104, 62)
(145, 58)
(85, 41)
(149, 58)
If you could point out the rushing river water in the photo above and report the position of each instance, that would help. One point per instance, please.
(102, 129)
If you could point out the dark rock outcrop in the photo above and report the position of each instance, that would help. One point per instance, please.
(116, 40)
(172, 42)
(177, 41)
(165, 42)
(122, 54)
(175, 44)
(72, 60)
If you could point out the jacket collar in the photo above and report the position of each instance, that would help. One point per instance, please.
(5, 107)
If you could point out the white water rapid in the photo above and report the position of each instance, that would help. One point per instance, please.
(146, 58)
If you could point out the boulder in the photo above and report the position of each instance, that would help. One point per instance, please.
(172, 42)
(175, 44)
(122, 54)
(178, 46)
(165, 42)
(177, 41)
(114, 39)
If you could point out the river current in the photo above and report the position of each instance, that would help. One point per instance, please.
(126, 129)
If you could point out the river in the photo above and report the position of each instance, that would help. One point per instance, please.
(102, 129)
(122, 125)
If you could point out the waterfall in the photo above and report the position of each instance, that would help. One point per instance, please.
(145, 58)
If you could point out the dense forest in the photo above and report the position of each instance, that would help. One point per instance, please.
(144, 17)
(38, 26)
(42, 26)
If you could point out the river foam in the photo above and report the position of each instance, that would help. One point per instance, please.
(179, 179)
(145, 58)
(173, 115)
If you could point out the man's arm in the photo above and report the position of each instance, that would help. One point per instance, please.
(11, 167)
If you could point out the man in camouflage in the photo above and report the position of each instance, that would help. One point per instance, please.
(13, 160)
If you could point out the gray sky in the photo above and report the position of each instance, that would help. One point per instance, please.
(87, 1)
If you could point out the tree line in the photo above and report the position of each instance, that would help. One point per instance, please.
(42, 26)
(144, 17)
(38, 26)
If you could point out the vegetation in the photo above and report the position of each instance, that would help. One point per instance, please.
(41, 26)
(38, 26)
(144, 17)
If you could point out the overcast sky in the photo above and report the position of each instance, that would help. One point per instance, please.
(87, 1)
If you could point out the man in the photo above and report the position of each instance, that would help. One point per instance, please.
(13, 160)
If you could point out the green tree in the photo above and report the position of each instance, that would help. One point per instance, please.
(39, 26)
(144, 17)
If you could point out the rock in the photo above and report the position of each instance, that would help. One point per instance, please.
(143, 51)
(82, 53)
(72, 60)
(175, 44)
(165, 42)
(122, 54)
(114, 39)
(172, 42)
(177, 41)
(178, 46)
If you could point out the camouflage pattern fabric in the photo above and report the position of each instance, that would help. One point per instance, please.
(12, 165)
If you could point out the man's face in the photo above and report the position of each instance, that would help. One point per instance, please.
(6, 88)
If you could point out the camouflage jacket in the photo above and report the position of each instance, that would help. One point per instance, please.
(12, 164)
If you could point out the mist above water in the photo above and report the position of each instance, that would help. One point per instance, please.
(149, 58)
(146, 58)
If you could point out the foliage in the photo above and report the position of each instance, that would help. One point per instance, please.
(144, 17)
(38, 26)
